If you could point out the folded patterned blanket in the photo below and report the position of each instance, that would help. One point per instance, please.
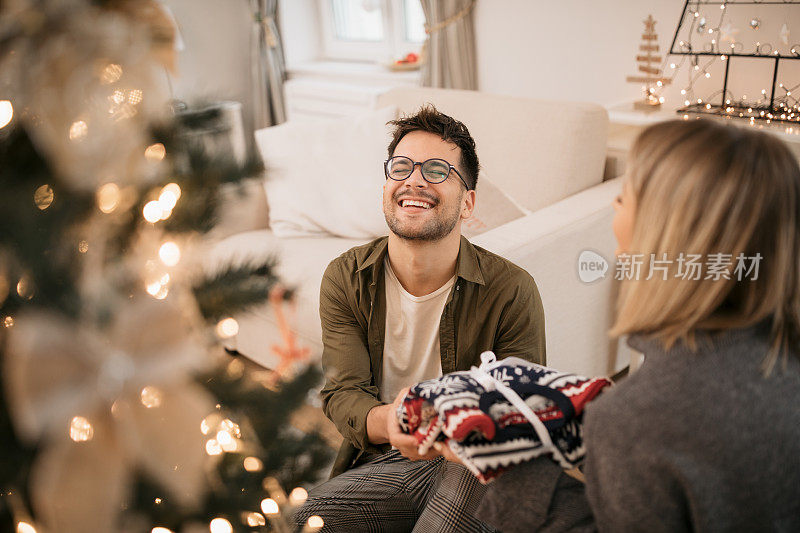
(501, 414)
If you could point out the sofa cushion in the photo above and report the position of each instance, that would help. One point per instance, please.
(493, 208)
(325, 177)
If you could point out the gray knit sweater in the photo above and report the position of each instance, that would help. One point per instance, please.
(698, 441)
(691, 442)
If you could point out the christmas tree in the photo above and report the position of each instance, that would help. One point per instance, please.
(648, 65)
(119, 409)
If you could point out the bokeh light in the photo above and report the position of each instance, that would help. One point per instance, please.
(43, 197)
(151, 397)
(78, 130)
(269, 506)
(220, 525)
(227, 327)
(108, 197)
(6, 113)
(80, 429)
(111, 74)
(155, 152)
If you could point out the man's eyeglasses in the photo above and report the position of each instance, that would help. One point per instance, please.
(400, 167)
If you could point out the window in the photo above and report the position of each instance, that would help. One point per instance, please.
(371, 30)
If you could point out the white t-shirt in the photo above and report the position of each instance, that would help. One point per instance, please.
(411, 342)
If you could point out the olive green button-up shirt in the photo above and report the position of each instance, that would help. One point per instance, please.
(493, 305)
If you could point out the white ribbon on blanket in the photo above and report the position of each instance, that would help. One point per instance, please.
(489, 383)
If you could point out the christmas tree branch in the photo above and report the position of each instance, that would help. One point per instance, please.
(236, 288)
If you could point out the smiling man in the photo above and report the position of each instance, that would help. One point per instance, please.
(408, 307)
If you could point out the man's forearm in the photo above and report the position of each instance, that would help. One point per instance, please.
(377, 431)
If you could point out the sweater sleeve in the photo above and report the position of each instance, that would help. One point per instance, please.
(632, 482)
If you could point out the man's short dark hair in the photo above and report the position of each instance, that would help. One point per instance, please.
(429, 119)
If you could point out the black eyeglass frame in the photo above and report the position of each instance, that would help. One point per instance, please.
(421, 165)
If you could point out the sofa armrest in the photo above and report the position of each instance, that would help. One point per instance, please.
(547, 243)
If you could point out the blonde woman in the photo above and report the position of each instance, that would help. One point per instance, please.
(705, 436)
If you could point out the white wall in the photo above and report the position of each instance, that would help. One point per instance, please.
(301, 30)
(215, 64)
(578, 50)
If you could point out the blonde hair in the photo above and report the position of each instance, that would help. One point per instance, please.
(706, 188)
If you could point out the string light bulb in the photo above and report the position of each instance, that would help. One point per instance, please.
(25, 527)
(213, 447)
(155, 152)
(316, 522)
(220, 525)
(227, 327)
(111, 74)
(25, 288)
(135, 96)
(269, 506)
(253, 464)
(168, 196)
(6, 113)
(108, 197)
(78, 130)
(223, 437)
(169, 253)
(255, 519)
(152, 211)
(298, 496)
(80, 429)
(43, 197)
(210, 423)
(151, 397)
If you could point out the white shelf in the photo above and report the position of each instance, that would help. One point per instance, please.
(626, 115)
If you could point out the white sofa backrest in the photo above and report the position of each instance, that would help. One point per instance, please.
(537, 151)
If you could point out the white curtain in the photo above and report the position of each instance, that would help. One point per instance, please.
(450, 47)
(268, 69)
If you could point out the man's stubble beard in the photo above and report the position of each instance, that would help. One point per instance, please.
(434, 229)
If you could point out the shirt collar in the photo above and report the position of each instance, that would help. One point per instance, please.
(467, 265)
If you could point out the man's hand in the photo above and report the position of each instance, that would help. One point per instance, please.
(405, 443)
(447, 453)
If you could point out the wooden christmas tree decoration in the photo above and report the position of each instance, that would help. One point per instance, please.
(648, 63)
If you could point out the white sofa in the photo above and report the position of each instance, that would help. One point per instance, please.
(549, 157)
